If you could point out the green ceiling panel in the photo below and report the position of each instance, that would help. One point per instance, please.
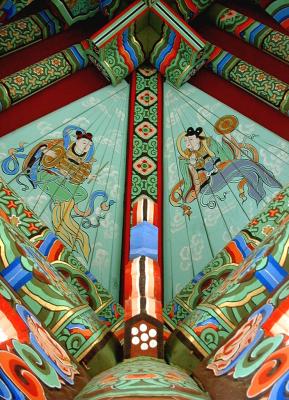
(74, 181)
(213, 189)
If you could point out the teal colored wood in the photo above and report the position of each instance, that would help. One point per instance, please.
(198, 222)
(82, 203)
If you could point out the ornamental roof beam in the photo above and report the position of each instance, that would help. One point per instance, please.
(148, 31)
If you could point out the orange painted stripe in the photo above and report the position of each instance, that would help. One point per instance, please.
(243, 26)
(199, 329)
(127, 282)
(168, 59)
(4, 216)
(166, 335)
(251, 246)
(234, 252)
(134, 215)
(215, 53)
(125, 54)
(55, 251)
(156, 215)
(285, 24)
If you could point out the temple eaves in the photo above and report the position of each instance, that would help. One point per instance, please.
(148, 31)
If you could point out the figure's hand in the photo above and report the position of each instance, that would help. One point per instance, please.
(12, 151)
(50, 153)
(92, 177)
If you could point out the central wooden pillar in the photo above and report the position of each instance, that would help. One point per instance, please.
(142, 271)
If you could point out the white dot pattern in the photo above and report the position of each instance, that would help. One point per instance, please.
(152, 333)
(135, 340)
(144, 337)
(144, 346)
(134, 331)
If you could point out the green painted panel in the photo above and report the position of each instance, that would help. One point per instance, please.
(213, 188)
(74, 181)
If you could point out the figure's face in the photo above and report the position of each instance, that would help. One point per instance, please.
(82, 145)
(192, 142)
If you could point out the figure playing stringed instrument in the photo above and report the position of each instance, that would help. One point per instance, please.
(59, 167)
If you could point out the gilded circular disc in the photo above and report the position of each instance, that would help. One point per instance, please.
(226, 124)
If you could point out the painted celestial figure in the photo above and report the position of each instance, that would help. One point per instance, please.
(59, 167)
(207, 167)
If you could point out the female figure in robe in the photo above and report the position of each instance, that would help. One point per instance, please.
(207, 167)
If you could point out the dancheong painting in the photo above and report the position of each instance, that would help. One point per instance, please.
(144, 199)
